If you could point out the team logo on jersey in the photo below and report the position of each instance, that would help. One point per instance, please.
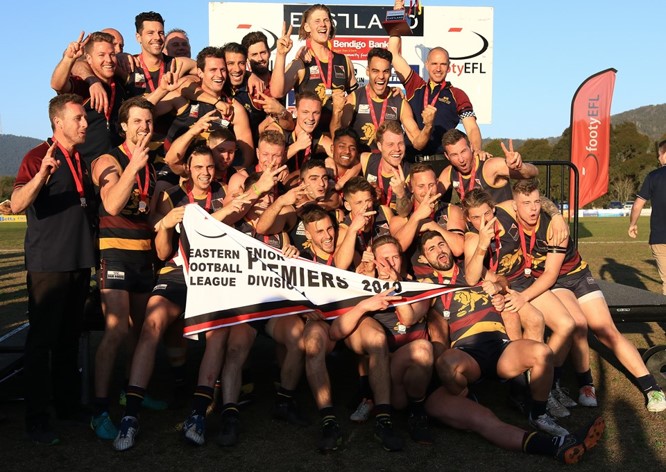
(364, 109)
(469, 300)
(371, 178)
(339, 72)
(314, 70)
(444, 99)
(194, 111)
(391, 113)
(369, 133)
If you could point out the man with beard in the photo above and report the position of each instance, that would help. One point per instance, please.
(463, 357)
(126, 181)
(369, 106)
(386, 170)
(53, 187)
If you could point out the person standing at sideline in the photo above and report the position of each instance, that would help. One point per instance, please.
(654, 189)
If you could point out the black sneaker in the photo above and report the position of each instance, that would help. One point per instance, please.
(230, 430)
(385, 434)
(42, 433)
(331, 436)
(288, 410)
(575, 445)
(418, 429)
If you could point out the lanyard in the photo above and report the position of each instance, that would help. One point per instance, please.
(328, 81)
(527, 261)
(494, 262)
(446, 299)
(426, 96)
(380, 183)
(372, 109)
(107, 114)
(472, 181)
(77, 171)
(209, 197)
(143, 190)
(146, 73)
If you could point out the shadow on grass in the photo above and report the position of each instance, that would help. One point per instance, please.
(624, 274)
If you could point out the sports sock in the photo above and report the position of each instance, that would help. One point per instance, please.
(284, 395)
(584, 378)
(647, 383)
(100, 405)
(541, 443)
(203, 395)
(230, 409)
(134, 396)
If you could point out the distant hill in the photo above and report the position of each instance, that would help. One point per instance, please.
(12, 150)
(650, 120)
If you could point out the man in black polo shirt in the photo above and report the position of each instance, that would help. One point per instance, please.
(53, 187)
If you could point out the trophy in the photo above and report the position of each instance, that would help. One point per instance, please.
(398, 21)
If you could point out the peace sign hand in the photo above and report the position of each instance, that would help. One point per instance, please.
(513, 159)
(75, 49)
(284, 44)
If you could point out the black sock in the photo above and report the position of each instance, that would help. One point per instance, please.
(541, 443)
(203, 395)
(382, 411)
(538, 409)
(647, 383)
(584, 378)
(284, 395)
(134, 399)
(327, 413)
(230, 409)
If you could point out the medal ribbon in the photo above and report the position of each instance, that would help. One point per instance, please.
(146, 73)
(77, 171)
(143, 190)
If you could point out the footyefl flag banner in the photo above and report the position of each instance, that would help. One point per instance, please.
(590, 136)
(233, 278)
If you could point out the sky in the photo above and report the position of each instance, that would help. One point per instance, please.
(542, 53)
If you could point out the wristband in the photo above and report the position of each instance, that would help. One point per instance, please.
(255, 190)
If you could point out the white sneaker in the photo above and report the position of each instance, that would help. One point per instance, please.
(562, 395)
(363, 411)
(656, 401)
(129, 428)
(587, 396)
(547, 424)
(555, 408)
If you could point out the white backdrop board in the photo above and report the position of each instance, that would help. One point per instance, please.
(466, 32)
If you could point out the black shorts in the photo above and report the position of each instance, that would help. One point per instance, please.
(172, 286)
(580, 283)
(135, 276)
(486, 354)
